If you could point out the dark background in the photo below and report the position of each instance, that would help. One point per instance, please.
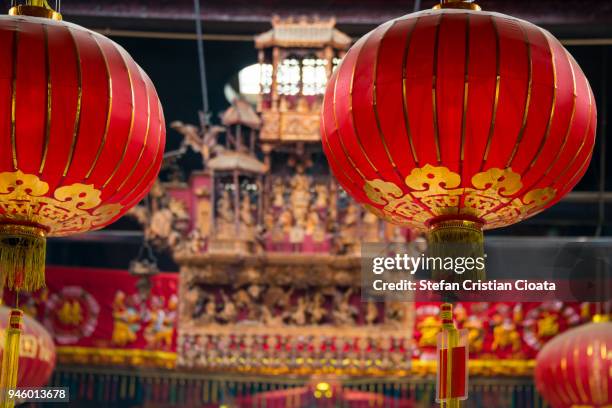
(160, 35)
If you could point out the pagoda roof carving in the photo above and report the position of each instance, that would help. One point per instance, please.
(241, 113)
(303, 31)
(232, 160)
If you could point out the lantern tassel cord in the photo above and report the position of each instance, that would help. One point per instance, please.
(453, 341)
(22, 257)
(452, 362)
(10, 358)
(456, 238)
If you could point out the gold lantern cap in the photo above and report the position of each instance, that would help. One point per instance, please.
(457, 4)
(35, 8)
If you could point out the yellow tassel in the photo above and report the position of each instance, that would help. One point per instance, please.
(456, 238)
(22, 257)
(10, 358)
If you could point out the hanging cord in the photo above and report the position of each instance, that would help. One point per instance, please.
(602, 181)
(146, 246)
(201, 60)
(145, 252)
(602, 147)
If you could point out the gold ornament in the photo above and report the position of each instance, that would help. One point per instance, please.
(28, 216)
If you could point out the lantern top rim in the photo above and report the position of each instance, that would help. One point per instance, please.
(35, 11)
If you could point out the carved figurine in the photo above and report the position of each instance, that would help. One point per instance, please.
(203, 142)
(315, 227)
(124, 331)
(229, 312)
(154, 332)
(506, 335)
(161, 225)
(269, 319)
(245, 303)
(168, 320)
(344, 313)
(210, 310)
(548, 326)
(224, 207)
(316, 310)
(278, 297)
(371, 314)
(395, 313)
(205, 309)
(300, 195)
(322, 199)
(203, 217)
(278, 191)
(225, 217)
(246, 215)
(298, 316)
(429, 328)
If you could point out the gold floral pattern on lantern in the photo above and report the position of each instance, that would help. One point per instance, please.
(73, 208)
(435, 191)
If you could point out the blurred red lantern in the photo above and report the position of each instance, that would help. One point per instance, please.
(457, 120)
(573, 369)
(81, 136)
(37, 356)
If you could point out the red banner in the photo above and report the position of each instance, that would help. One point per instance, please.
(100, 311)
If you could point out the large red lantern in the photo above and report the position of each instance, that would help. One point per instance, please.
(574, 369)
(81, 136)
(37, 357)
(456, 120)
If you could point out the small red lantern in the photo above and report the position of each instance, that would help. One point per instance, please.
(81, 136)
(457, 120)
(37, 357)
(573, 369)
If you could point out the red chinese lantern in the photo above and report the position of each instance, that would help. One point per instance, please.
(573, 369)
(455, 120)
(81, 136)
(81, 141)
(37, 357)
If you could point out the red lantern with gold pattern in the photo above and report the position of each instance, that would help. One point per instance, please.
(81, 136)
(37, 357)
(573, 369)
(455, 120)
